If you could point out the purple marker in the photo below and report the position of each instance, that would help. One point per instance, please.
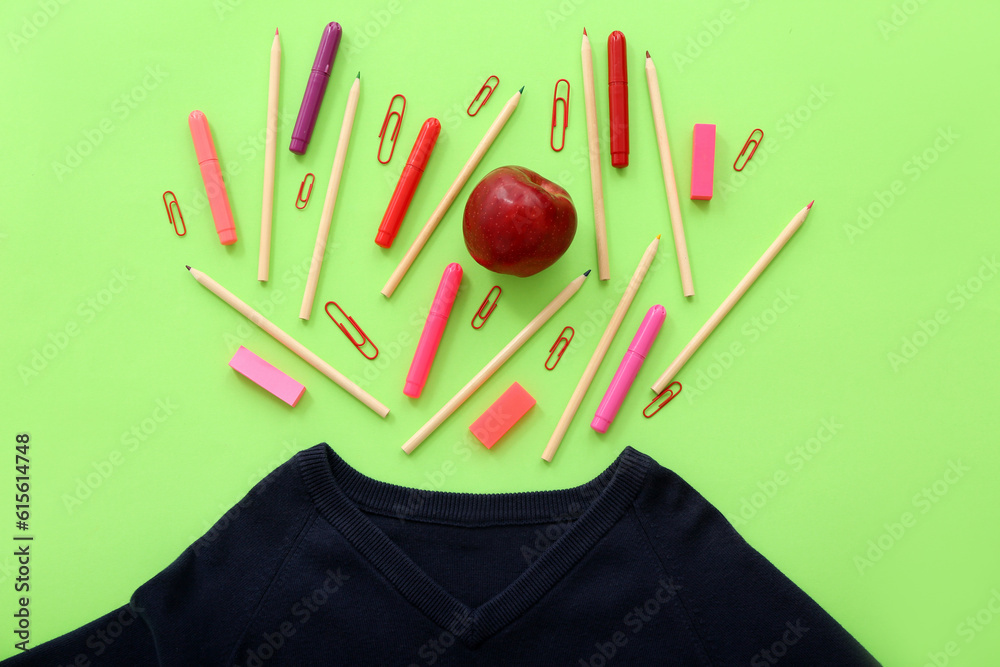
(628, 369)
(315, 88)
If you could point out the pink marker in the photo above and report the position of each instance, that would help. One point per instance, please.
(433, 330)
(628, 368)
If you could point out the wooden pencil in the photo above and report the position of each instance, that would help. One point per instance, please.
(669, 180)
(331, 199)
(449, 197)
(602, 349)
(731, 300)
(270, 154)
(289, 342)
(496, 362)
(596, 186)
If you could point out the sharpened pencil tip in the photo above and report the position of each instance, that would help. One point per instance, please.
(584, 31)
(586, 273)
(359, 75)
(522, 89)
(647, 54)
(188, 267)
(657, 236)
(810, 204)
(275, 32)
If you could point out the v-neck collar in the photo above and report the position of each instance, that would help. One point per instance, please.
(340, 492)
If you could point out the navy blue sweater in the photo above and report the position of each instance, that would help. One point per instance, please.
(321, 565)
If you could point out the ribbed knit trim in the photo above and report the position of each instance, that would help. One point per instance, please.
(341, 492)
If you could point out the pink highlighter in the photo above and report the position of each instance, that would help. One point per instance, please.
(628, 368)
(437, 318)
(211, 174)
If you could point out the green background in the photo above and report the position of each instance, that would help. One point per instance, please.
(881, 326)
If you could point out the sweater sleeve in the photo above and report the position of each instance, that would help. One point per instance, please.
(743, 609)
(118, 639)
(195, 611)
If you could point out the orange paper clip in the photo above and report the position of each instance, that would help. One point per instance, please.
(670, 397)
(172, 205)
(480, 315)
(489, 91)
(751, 140)
(300, 202)
(359, 344)
(385, 125)
(556, 344)
(565, 121)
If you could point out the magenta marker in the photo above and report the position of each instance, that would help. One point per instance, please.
(444, 299)
(315, 88)
(628, 368)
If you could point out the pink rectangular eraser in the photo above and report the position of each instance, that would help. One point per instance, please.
(267, 376)
(504, 413)
(703, 161)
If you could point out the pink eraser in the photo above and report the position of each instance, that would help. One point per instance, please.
(703, 161)
(504, 413)
(267, 376)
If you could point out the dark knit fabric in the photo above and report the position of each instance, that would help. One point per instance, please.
(321, 565)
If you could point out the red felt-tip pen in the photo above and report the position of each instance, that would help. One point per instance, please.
(408, 181)
(618, 98)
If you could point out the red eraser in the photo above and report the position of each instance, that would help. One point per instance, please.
(703, 161)
(267, 376)
(504, 413)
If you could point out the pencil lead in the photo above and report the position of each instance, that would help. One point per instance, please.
(359, 74)
(584, 31)
(188, 267)
(657, 236)
(275, 32)
(810, 204)
(586, 273)
(522, 89)
(647, 54)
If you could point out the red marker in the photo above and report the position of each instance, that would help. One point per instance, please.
(408, 182)
(618, 98)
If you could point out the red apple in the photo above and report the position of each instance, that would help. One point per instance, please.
(517, 222)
